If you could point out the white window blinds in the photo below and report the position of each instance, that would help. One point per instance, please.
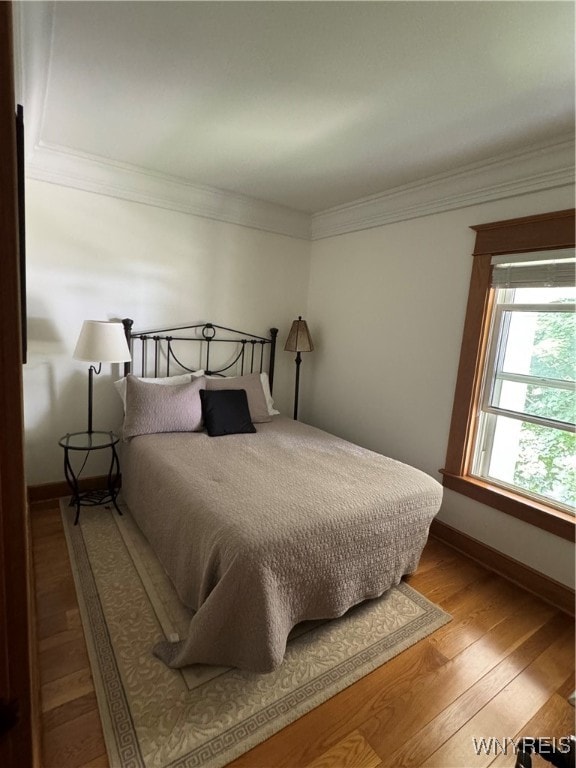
(544, 269)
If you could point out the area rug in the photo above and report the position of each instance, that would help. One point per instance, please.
(153, 716)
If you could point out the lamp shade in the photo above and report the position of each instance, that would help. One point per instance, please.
(299, 339)
(102, 342)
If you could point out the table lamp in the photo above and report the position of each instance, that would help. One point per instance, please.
(100, 342)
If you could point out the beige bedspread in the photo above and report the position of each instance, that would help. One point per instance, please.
(261, 531)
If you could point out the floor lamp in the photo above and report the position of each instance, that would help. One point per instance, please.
(102, 342)
(299, 340)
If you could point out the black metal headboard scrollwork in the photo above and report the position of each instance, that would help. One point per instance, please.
(155, 352)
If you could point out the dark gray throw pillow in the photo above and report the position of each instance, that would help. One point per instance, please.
(226, 412)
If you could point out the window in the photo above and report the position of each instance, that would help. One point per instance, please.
(512, 443)
(524, 438)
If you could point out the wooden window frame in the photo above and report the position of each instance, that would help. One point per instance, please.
(548, 231)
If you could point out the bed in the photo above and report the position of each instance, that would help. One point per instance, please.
(261, 530)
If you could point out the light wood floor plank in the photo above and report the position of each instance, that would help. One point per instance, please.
(66, 688)
(74, 742)
(400, 717)
(414, 751)
(352, 752)
(476, 610)
(63, 659)
(69, 710)
(99, 762)
(510, 709)
(61, 638)
(554, 720)
(438, 584)
(62, 621)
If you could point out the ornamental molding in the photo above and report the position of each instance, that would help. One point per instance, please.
(59, 165)
(537, 168)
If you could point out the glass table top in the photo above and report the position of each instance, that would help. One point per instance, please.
(84, 441)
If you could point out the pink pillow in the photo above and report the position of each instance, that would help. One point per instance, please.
(154, 408)
(254, 391)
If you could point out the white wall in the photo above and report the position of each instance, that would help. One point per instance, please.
(386, 311)
(96, 257)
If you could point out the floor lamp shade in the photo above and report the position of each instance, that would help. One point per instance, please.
(100, 342)
(299, 340)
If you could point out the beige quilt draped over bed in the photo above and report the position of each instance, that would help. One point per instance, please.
(261, 531)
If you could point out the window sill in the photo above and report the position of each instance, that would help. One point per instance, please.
(540, 515)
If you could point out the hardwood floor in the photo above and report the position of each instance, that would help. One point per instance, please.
(502, 668)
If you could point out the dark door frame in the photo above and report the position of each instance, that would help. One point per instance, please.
(19, 746)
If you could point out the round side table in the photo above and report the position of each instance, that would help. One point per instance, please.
(87, 442)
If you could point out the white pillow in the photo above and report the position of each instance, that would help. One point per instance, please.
(183, 378)
(268, 395)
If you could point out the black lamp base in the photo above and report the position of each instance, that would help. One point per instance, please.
(298, 361)
(91, 371)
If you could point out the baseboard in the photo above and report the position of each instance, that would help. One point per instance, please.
(49, 491)
(553, 592)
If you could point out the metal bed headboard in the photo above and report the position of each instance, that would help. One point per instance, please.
(156, 349)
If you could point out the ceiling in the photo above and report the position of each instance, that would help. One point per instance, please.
(307, 105)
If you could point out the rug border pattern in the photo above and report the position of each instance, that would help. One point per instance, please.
(106, 675)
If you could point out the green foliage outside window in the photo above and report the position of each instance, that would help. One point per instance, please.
(547, 458)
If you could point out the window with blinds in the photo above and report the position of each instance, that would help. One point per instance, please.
(525, 430)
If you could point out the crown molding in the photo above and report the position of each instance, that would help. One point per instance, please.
(59, 165)
(539, 167)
